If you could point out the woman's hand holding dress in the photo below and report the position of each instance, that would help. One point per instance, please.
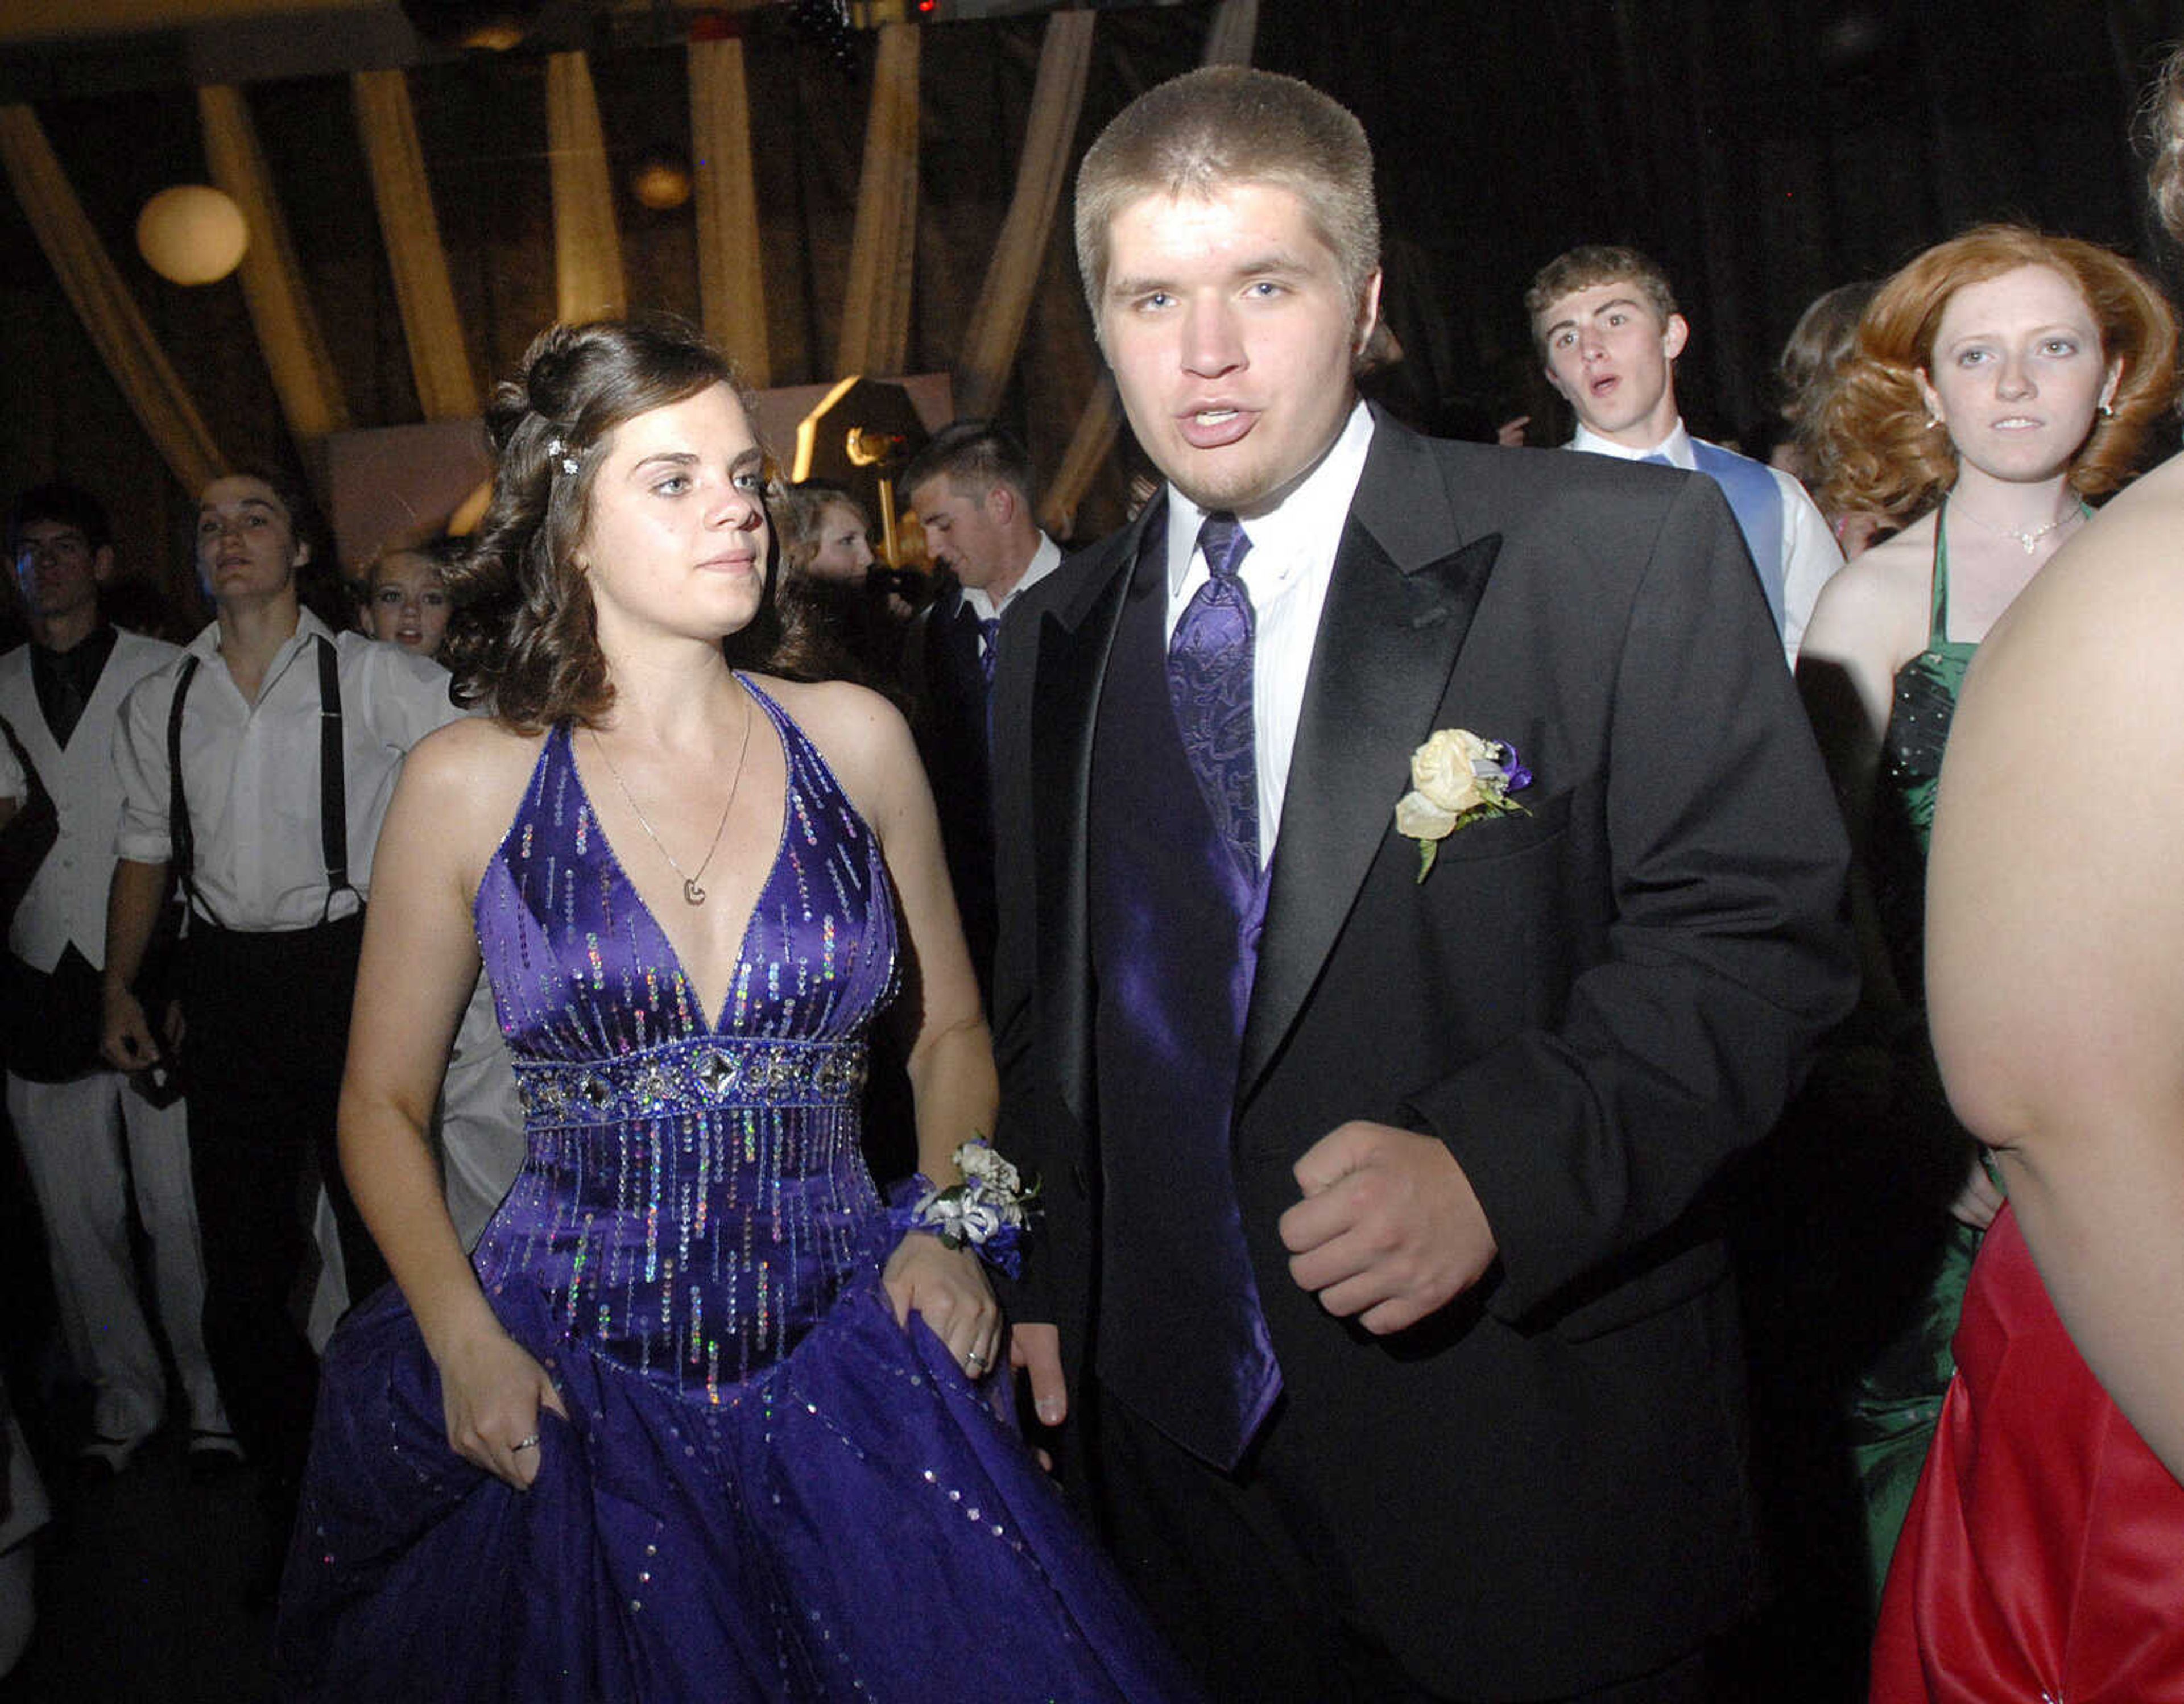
(945, 1288)
(492, 1390)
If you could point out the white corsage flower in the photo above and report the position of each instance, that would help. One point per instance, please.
(1457, 778)
(990, 1211)
(979, 1162)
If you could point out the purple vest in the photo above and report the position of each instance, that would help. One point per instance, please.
(1174, 923)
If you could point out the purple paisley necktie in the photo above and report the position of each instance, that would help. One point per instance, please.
(1209, 681)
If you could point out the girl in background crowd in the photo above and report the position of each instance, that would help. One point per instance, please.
(826, 578)
(1824, 338)
(478, 1127)
(405, 593)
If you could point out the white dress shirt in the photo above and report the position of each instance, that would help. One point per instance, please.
(1287, 570)
(1810, 554)
(1043, 561)
(251, 771)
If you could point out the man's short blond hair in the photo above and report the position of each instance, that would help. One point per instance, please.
(1208, 129)
(1595, 264)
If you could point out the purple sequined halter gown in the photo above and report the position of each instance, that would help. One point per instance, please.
(766, 1489)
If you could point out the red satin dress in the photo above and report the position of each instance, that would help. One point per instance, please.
(2044, 1559)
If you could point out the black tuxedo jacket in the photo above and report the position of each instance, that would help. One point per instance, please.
(1594, 1004)
(947, 691)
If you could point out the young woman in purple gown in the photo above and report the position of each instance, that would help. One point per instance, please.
(699, 1419)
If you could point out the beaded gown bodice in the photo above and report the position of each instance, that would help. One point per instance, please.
(695, 1193)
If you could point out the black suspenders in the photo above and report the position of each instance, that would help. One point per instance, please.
(184, 856)
(333, 807)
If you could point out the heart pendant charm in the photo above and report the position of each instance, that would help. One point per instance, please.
(691, 892)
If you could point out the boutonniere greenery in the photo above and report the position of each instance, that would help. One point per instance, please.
(1457, 779)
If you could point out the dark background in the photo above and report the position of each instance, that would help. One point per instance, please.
(1762, 152)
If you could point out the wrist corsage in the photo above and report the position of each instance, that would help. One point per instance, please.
(990, 1211)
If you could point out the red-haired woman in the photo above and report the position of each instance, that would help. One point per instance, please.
(2040, 1557)
(2001, 379)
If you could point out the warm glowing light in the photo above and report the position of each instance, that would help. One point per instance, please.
(192, 234)
(660, 180)
(497, 35)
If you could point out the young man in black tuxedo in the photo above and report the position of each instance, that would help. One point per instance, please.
(1378, 1272)
(971, 488)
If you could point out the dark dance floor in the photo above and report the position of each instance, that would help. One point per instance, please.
(141, 1591)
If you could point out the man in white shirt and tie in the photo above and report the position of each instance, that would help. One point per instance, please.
(1375, 1266)
(1606, 323)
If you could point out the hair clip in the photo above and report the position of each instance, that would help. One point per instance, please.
(555, 448)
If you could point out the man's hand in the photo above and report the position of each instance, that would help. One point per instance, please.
(1036, 1349)
(124, 1039)
(1389, 1230)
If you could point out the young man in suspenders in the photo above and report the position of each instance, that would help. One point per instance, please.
(256, 769)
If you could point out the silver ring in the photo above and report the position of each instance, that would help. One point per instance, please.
(974, 1360)
(530, 1443)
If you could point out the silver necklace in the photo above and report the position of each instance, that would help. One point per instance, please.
(2028, 540)
(691, 892)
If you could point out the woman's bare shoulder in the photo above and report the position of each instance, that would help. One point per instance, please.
(465, 777)
(843, 720)
(1879, 601)
(472, 750)
(863, 738)
(2134, 540)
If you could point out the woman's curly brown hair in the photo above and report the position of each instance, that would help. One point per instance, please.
(1881, 451)
(2163, 127)
(524, 637)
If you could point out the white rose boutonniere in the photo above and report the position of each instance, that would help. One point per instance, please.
(1458, 779)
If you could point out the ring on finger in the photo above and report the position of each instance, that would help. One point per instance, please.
(521, 1444)
(974, 1360)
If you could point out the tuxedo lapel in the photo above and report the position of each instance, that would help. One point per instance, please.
(1074, 643)
(1388, 641)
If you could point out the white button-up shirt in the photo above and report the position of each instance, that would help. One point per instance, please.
(1287, 570)
(250, 772)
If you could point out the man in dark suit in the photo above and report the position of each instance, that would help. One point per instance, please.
(1378, 1263)
(971, 486)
